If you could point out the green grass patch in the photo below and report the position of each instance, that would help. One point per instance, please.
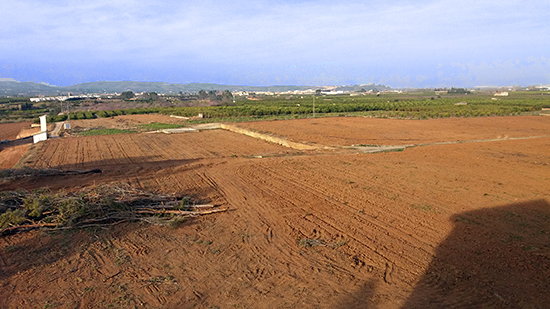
(426, 208)
(104, 132)
(159, 126)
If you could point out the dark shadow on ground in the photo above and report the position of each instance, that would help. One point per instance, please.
(17, 142)
(362, 299)
(494, 258)
(111, 170)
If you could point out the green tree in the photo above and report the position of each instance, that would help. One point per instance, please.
(203, 95)
(212, 95)
(127, 95)
(153, 96)
(227, 97)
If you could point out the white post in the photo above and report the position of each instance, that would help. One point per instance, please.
(313, 106)
(43, 124)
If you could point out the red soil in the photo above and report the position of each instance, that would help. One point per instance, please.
(9, 156)
(463, 225)
(345, 131)
(11, 130)
(125, 121)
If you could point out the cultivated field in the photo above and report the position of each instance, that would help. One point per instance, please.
(9, 156)
(125, 121)
(458, 225)
(375, 131)
(11, 130)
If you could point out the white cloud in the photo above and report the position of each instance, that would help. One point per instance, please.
(252, 33)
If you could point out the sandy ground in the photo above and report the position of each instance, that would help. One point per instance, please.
(442, 226)
(31, 131)
(345, 131)
(28, 132)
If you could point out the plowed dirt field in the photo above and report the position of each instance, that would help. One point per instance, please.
(439, 226)
(125, 121)
(11, 130)
(345, 131)
(9, 156)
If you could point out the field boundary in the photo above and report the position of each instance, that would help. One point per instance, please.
(388, 148)
(268, 138)
(363, 149)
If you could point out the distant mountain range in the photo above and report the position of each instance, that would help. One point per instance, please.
(9, 87)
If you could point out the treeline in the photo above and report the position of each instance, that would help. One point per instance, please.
(15, 100)
(410, 108)
(424, 109)
(454, 90)
(225, 97)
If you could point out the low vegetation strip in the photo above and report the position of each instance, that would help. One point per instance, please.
(103, 131)
(159, 126)
(95, 206)
(128, 129)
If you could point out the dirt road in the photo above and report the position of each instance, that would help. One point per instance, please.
(56, 129)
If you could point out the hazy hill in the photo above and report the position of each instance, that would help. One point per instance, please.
(364, 87)
(14, 88)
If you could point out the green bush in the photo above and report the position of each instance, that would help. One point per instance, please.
(12, 217)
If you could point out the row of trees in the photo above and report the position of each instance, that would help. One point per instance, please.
(225, 97)
(413, 108)
(454, 90)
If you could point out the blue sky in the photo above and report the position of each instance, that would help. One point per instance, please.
(396, 43)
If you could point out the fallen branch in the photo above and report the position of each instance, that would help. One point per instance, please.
(27, 227)
(179, 212)
(111, 277)
(100, 206)
(172, 205)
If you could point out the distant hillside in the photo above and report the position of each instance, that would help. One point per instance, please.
(364, 87)
(14, 88)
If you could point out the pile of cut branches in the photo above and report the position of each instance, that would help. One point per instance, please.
(95, 206)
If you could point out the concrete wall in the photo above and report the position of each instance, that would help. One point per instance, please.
(42, 136)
